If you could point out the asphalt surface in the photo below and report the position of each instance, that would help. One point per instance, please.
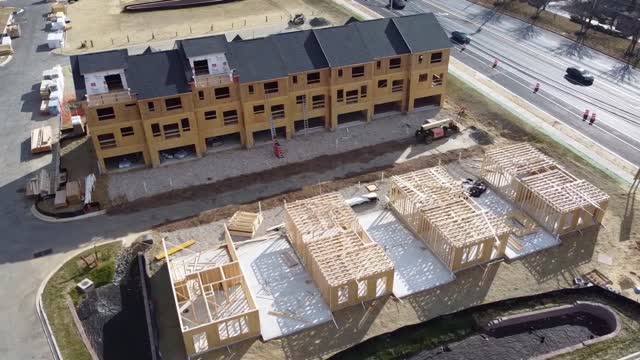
(21, 335)
(528, 55)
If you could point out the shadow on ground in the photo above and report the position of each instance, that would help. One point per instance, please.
(575, 249)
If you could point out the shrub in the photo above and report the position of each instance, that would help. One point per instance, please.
(103, 274)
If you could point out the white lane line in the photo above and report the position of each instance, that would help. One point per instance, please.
(542, 54)
(578, 115)
(528, 86)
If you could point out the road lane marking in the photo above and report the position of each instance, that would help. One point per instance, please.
(497, 32)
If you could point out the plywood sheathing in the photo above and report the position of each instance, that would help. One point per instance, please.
(346, 264)
(458, 230)
(557, 200)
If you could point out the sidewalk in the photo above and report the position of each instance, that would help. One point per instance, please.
(569, 138)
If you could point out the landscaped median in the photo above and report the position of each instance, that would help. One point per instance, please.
(60, 295)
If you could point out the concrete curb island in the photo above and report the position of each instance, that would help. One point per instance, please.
(42, 315)
(40, 216)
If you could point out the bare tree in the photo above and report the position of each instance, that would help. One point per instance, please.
(540, 5)
(629, 25)
(585, 11)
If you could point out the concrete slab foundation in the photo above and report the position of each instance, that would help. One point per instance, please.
(416, 268)
(285, 294)
(531, 243)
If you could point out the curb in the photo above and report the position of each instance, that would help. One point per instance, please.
(38, 215)
(358, 9)
(6, 61)
(42, 315)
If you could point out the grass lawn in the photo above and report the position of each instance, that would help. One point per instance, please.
(610, 45)
(55, 295)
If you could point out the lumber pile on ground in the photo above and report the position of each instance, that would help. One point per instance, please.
(41, 139)
(244, 223)
(39, 185)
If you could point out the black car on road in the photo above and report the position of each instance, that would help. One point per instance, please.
(398, 4)
(579, 75)
(460, 37)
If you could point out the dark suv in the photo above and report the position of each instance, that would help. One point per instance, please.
(579, 75)
(460, 37)
(398, 4)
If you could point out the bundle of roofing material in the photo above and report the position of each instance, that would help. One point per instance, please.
(89, 186)
(5, 46)
(55, 40)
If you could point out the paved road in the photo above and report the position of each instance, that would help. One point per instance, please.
(528, 54)
(21, 235)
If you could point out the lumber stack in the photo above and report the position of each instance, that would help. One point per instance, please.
(60, 200)
(39, 185)
(244, 223)
(41, 139)
(73, 192)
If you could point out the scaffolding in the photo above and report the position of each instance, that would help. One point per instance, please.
(346, 264)
(454, 227)
(214, 304)
(557, 200)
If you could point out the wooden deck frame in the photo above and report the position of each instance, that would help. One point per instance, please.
(198, 283)
(244, 223)
(454, 227)
(557, 200)
(346, 264)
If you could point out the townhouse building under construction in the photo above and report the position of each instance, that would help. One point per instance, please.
(209, 93)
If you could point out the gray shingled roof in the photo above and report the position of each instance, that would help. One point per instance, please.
(300, 51)
(256, 60)
(343, 46)
(157, 74)
(203, 46)
(422, 32)
(167, 73)
(102, 61)
(381, 37)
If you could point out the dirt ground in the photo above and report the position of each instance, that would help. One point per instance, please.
(618, 238)
(102, 22)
